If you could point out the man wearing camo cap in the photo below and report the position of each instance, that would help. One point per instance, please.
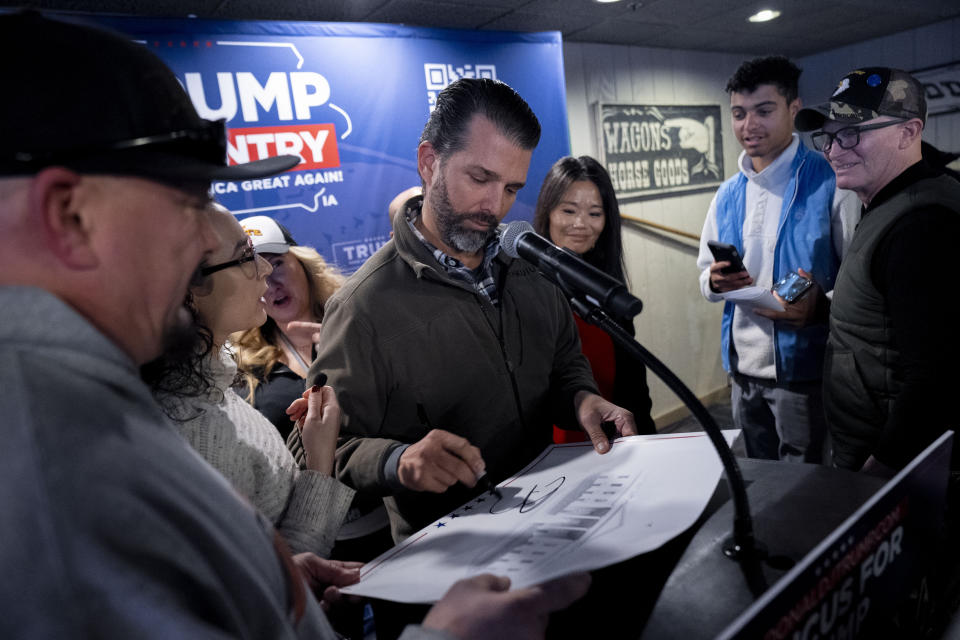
(891, 363)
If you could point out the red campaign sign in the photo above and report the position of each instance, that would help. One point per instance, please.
(316, 144)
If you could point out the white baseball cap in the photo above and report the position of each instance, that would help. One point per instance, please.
(268, 235)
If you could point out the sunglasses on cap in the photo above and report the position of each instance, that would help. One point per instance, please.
(207, 141)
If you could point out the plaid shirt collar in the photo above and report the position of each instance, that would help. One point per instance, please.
(482, 278)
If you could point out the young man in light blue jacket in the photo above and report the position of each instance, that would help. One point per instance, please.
(783, 213)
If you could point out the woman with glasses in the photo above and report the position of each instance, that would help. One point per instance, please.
(275, 357)
(577, 210)
(192, 384)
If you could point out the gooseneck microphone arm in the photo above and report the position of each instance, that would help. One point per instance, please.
(516, 242)
(743, 548)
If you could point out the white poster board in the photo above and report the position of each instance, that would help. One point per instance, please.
(569, 510)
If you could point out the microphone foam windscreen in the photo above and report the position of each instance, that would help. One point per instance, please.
(511, 235)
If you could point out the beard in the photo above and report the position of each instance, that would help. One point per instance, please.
(179, 369)
(450, 223)
(187, 337)
(180, 341)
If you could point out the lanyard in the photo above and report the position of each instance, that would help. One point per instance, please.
(296, 354)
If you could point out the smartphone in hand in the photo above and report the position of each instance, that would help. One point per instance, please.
(792, 286)
(723, 252)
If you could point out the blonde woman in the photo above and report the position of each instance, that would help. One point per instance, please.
(274, 358)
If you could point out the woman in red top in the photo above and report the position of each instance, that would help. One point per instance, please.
(577, 209)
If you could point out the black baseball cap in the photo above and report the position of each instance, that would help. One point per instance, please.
(85, 98)
(865, 94)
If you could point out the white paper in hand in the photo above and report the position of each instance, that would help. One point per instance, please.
(754, 297)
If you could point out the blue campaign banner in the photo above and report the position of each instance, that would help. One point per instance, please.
(350, 100)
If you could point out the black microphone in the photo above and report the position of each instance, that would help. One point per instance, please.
(567, 270)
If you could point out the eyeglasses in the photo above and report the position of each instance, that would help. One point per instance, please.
(848, 137)
(249, 263)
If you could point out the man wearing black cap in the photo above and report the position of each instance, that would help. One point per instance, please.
(891, 366)
(112, 526)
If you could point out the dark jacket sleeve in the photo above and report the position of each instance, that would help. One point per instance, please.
(912, 266)
(348, 354)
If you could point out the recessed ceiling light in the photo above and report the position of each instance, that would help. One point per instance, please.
(764, 16)
(606, 1)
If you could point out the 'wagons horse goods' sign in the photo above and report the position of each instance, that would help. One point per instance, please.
(654, 150)
(942, 87)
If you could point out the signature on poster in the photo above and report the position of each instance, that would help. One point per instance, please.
(536, 496)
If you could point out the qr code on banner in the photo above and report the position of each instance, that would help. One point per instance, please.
(439, 75)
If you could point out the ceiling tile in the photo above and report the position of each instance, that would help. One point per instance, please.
(596, 10)
(326, 11)
(794, 47)
(879, 23)
(436, 14)
(523, 21)
(160, 8)
(697, 39)
(933, 8)
(806, 26)
(500, 4)
(684, 13)
(620, 32)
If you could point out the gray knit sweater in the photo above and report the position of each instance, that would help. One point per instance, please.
(307, 507)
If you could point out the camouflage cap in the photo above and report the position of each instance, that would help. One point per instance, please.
(865, 94)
